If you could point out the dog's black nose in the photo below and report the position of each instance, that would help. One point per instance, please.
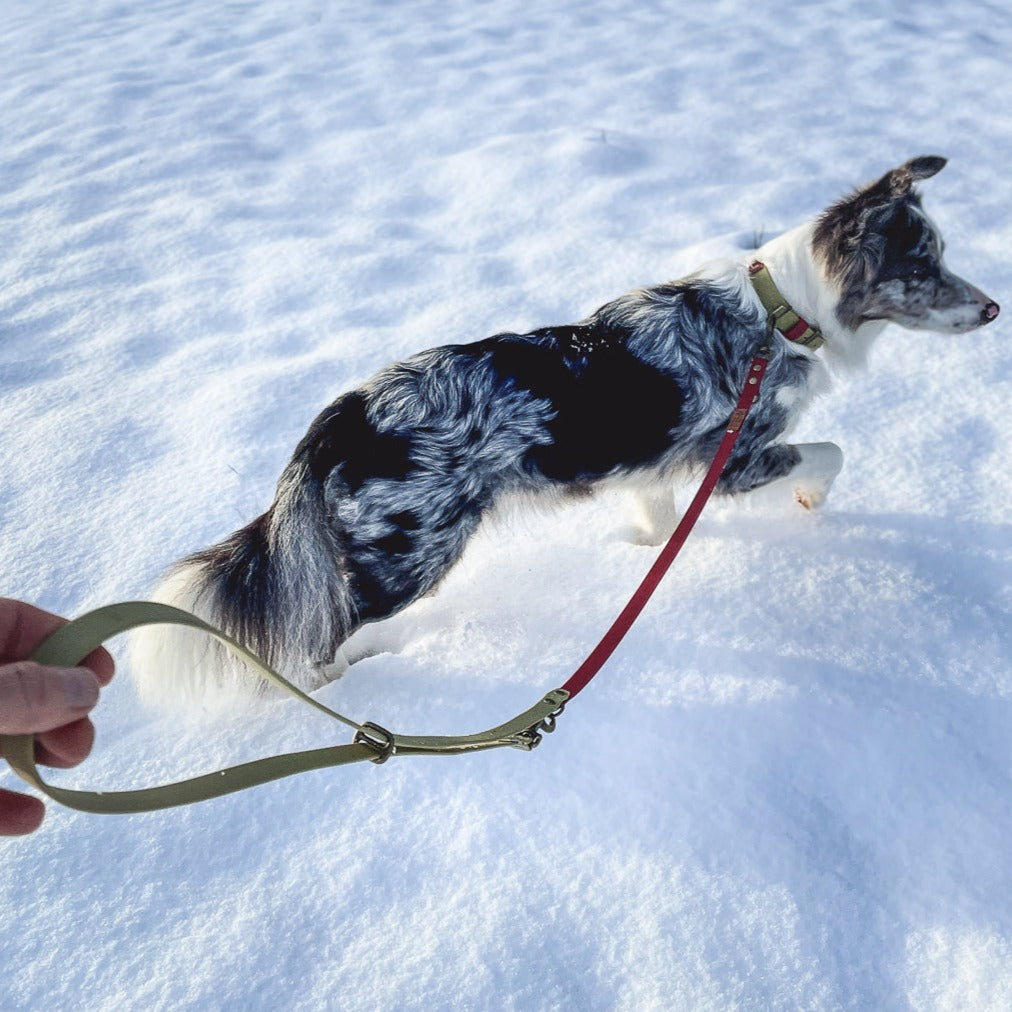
(989, 312)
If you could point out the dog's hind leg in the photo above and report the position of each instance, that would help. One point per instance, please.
(654, 515)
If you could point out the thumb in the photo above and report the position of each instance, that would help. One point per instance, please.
(34, 698)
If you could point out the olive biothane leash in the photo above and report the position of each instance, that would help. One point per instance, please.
(69, 644)
(74, 641)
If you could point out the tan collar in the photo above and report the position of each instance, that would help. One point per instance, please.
(779, 314)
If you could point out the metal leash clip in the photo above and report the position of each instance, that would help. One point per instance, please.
(531, 737)
(523, 732)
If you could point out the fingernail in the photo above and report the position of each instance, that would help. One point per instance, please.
(80, 686)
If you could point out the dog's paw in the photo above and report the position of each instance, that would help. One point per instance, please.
(644, 539)
(814, 475)
(811, 496)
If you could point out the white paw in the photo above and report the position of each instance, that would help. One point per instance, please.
(813, 475)
(812, 495)
(642, 537)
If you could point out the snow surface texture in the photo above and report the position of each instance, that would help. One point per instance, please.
(792, 787)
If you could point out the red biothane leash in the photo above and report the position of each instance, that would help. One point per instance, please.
(599, 655)
(779, 316)
(74, 641)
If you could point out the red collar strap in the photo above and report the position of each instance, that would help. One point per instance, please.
(779, 314)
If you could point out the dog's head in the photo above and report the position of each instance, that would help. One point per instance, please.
(884, 255)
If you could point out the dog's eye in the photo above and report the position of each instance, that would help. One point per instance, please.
(916, 271)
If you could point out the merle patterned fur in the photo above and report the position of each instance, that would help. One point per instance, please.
(391, 480)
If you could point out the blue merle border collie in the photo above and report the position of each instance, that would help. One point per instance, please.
(391, 480)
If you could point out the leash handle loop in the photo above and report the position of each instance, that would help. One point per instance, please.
(75, 640)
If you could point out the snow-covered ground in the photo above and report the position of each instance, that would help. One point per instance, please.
(792, 787)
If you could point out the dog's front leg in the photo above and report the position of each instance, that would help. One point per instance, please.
(806, 470)
(813, 475)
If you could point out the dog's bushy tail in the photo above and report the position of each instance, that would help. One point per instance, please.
(276, 586)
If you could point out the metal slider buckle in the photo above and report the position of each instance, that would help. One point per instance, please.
(375, 737)
(776, 315)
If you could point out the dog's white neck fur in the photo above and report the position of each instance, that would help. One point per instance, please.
(803, 283)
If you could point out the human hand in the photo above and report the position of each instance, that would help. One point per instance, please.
(49, 702)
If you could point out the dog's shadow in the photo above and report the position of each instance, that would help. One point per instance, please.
(821, 704)
(830, 589)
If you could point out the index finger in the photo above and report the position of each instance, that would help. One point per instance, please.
(23, 627)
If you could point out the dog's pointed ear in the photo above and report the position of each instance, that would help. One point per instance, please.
(925, 166)
(899, 182)
(855, 225)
